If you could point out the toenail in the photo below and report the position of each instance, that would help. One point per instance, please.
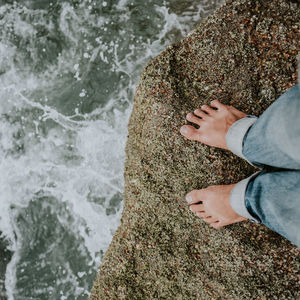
(189, 199)
(184, 130)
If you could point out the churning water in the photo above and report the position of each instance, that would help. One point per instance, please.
(68, 71)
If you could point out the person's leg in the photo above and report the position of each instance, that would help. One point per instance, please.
(271, 198)
(274, 138)
(227, 128)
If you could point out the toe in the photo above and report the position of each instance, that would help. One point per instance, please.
(217, 104)
(194, 196)
(197, 208)
(211, 220)
(200, 113)
(193, 119)
(189, 132)
(216, 225)
(202, 214)
(208, 109)
(208, 219)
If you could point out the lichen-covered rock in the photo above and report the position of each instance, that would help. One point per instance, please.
(244, 55)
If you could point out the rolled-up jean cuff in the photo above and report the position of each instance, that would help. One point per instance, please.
(237, 199)
(236, 133)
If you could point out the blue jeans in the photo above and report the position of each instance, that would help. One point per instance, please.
(271, 142)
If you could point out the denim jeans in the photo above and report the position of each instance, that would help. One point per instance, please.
(271, 142)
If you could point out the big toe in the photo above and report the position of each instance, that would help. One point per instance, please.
(189, 132)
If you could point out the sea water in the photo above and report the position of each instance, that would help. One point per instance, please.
(68, 71)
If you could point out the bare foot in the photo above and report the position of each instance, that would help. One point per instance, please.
(212, 204)
(213, 121)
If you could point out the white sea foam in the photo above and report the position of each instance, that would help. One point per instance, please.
(67, 166)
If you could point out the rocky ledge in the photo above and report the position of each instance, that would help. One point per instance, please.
(244, 55)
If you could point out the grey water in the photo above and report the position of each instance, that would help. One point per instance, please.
(68, 71)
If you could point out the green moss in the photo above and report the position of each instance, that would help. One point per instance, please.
(244, 55)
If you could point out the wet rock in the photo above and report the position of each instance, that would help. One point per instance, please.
(244, 55)
(5, 257)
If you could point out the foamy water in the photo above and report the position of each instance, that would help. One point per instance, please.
(67, 78)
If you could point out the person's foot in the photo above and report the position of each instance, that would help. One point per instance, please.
(212, 204)
(213, 121)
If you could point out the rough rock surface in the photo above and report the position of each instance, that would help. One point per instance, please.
(244, 55)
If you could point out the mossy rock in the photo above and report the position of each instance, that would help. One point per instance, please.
(244, 55)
